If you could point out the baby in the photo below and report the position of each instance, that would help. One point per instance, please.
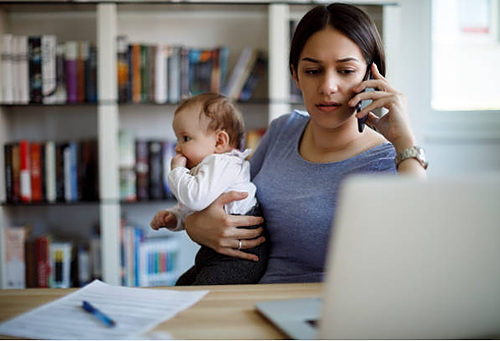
(210, 133)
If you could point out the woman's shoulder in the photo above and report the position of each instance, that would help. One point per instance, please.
(295, 119)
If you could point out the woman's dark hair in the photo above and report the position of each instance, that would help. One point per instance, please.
(353, 22)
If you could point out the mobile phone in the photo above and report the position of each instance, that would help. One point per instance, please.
(363, 104)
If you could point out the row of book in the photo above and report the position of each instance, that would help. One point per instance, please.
(45, 262)
(39, 69)
(42, 262)
(50, 171)
(144, 167)
(162, 73)
(147, 262)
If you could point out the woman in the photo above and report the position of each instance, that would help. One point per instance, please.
(304, 157)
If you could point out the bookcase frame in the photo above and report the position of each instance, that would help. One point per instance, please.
(110, 114)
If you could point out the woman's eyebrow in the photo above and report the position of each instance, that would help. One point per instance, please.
(341, 60)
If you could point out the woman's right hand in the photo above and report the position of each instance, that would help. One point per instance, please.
(216, 229)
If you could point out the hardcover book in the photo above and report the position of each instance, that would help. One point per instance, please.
(35, 68)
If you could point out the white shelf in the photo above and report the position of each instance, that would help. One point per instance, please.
(261, 24)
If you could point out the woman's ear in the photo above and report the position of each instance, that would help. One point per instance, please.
(222, 142)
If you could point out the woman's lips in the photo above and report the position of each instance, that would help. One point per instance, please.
(328, 106)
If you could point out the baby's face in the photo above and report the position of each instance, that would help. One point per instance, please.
(194, 140)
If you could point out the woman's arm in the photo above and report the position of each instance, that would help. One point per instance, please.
(395, 125)
(214, 228)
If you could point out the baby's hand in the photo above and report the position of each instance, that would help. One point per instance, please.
(178, 160)
(164, 219)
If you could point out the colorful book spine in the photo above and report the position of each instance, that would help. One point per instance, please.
(142, 170)
(35, 68)
(61, 94)
(24, 172)
(9, 180)
(14, 257)
(81, 60)
(36, 171)
(60, 264)
(122, 68)
(43, 261)
(156, 190)
(49, 71)
(70, 62)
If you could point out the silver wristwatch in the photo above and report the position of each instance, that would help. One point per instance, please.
(414, 152)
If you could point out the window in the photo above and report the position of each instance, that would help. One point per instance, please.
(465, 55)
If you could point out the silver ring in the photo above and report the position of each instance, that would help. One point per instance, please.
(239, 244)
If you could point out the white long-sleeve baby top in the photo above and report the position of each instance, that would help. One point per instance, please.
(197, 188)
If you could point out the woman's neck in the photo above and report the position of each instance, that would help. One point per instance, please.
(321, 145)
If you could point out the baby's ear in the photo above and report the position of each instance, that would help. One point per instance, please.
(221, 142)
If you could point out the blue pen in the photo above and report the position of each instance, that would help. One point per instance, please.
(97, 313)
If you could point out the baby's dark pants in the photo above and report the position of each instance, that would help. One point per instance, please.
(212, 268)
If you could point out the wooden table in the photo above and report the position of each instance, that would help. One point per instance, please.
(226, 312)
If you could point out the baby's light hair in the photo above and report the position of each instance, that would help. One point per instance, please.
(223, 115)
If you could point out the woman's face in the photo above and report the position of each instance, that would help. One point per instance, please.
(330, 67)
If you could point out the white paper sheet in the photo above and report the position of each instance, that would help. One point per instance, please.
(135, 311)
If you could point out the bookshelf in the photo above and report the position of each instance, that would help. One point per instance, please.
(205, 24)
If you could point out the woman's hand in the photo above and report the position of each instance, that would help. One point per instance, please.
(395, 125)
(214, 228)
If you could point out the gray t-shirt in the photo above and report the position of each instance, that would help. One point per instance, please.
(298, 198)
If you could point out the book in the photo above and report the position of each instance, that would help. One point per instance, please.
(23, 71)
(70, 157)
(83, 266)
(60, 264)
(30, 262)
(36, 171)
(7, 93)
(81, 61)
(16, 172)
(9, 181)
(61, 94)
(240, 72)
(59, 167)
(122, 61)
(145, 73)
(158, 262)
(161, 74)
(91, 76)
(136, 73)
(142, 169)
(24, 171)
(174, 74)
(256, 75)
(14, 257)
(156, 190)
(71, 68)
(35, 68)
(49, 71)
(50, 171)
(43, 261)
(88, 171)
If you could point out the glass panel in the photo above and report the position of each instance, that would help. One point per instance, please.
(465, 55)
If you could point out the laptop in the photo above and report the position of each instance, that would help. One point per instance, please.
(408, 259)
